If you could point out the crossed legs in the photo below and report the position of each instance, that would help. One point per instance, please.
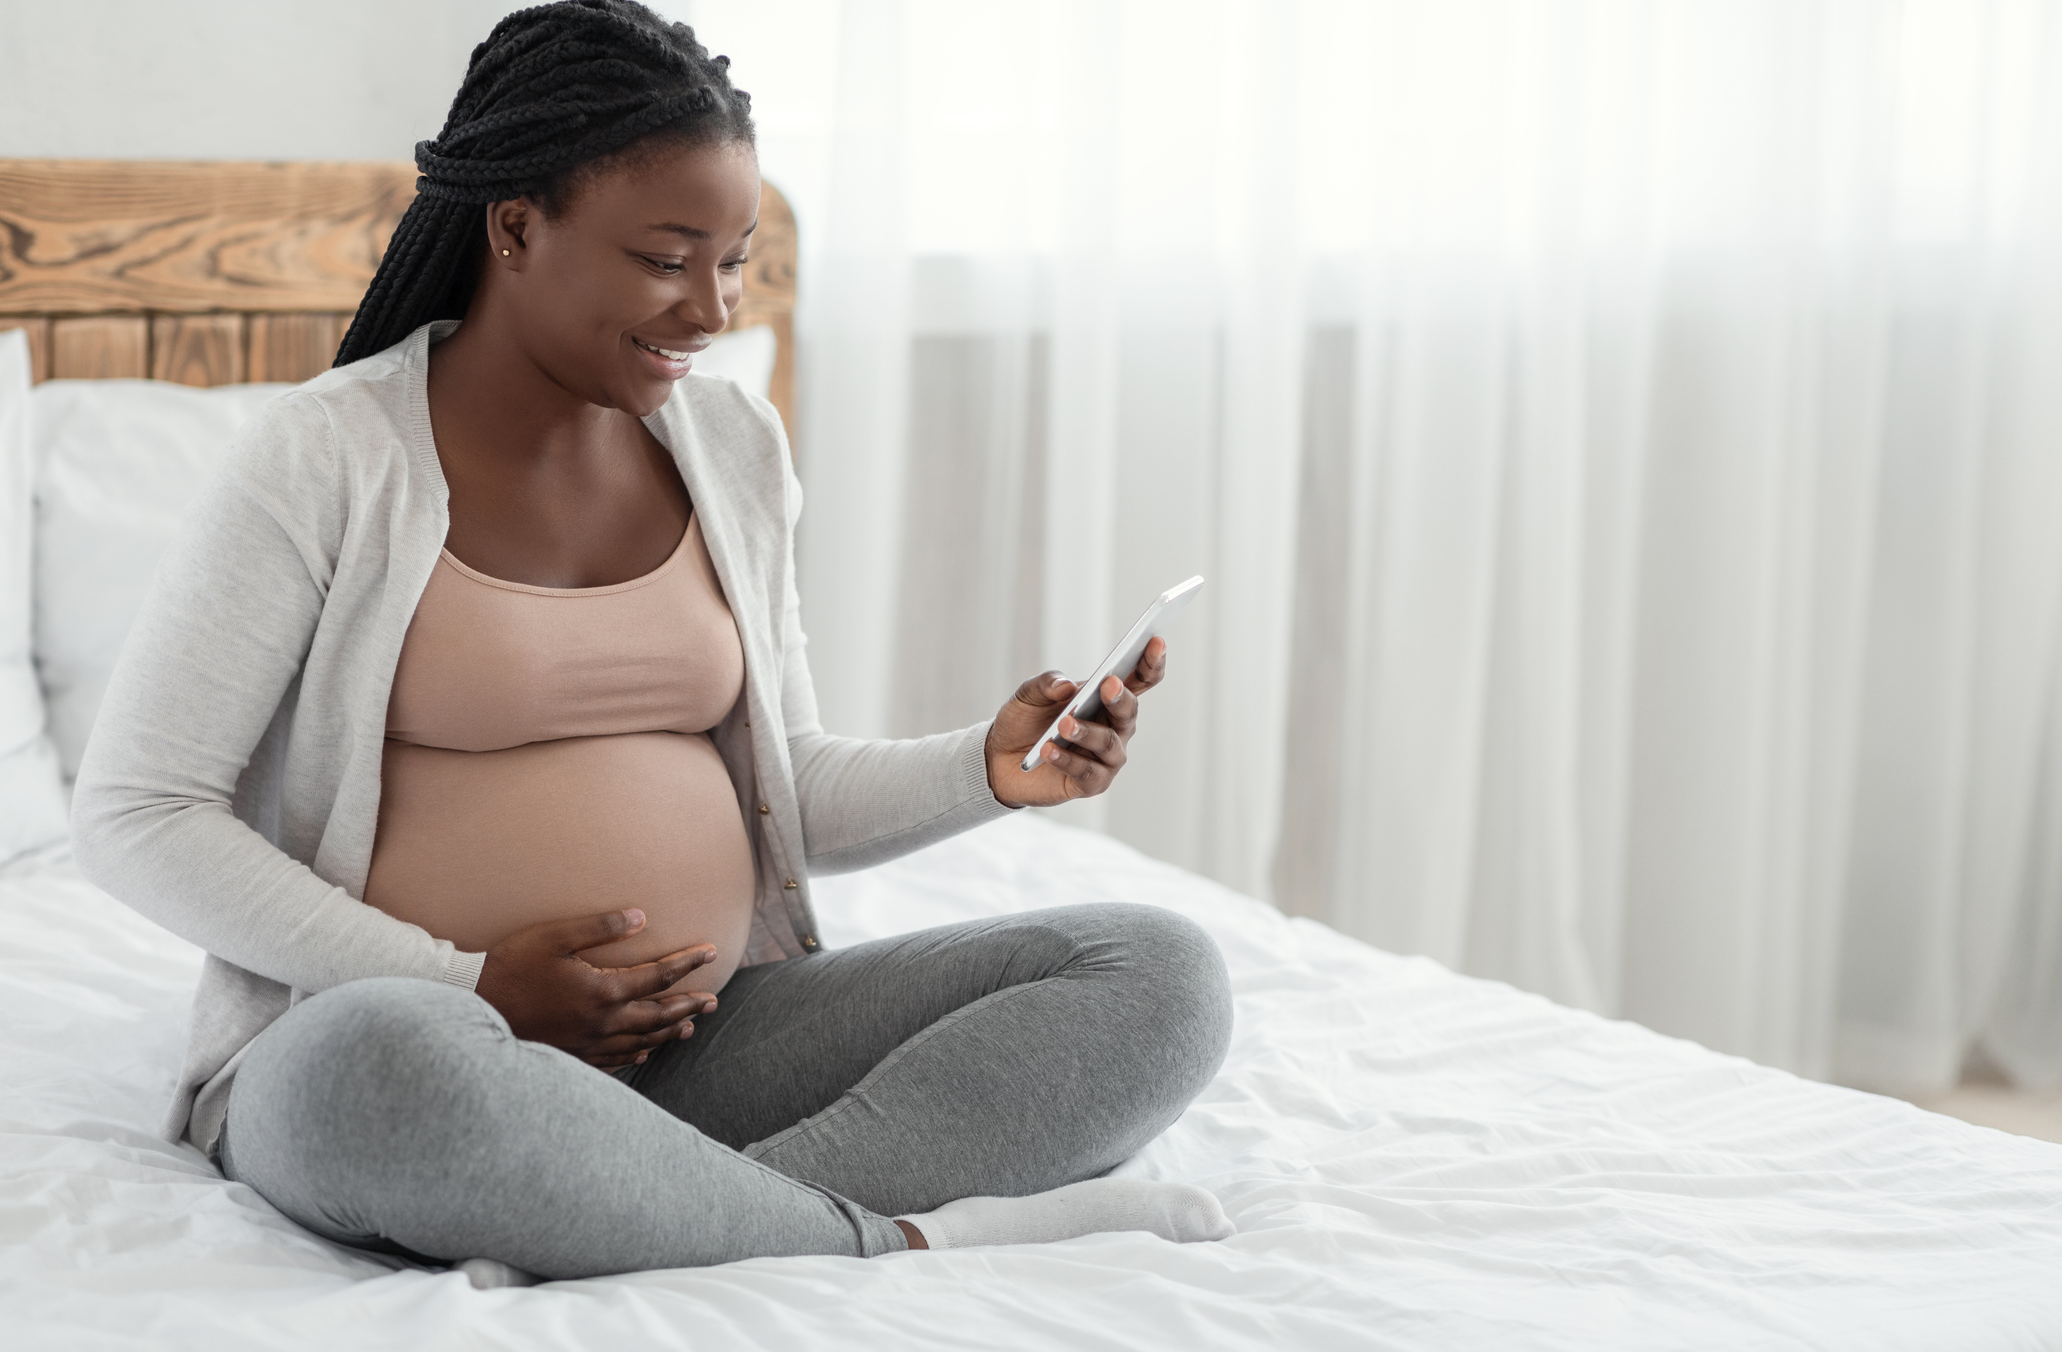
(999, 1057)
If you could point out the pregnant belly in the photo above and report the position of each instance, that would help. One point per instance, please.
(475, 845)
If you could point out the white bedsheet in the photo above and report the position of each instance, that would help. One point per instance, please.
(1414, 1160)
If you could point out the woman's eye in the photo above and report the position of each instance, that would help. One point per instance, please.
(664, 266)
(736, 264)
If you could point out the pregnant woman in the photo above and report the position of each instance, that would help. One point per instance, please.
(469, 730)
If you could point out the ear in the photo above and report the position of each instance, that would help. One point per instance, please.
(508, 225)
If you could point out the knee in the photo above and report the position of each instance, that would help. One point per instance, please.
(1182, 989)
(342, 1067)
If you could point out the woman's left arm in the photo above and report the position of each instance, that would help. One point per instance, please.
(865, 801)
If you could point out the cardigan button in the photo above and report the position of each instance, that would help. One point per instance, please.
(809, 941)
(764, 809)
(790, 885)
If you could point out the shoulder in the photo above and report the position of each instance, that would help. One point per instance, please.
(294, 454)
(366, 399)
(372, 400)
(285, 456)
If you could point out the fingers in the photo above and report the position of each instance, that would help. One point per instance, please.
(1047, 690)
(1121, 705)
(586, 931)
(646, 979)
(1085, 777)
(642, 1025)
(1098, 741)
(1092, 762)
(638, 1017)
(1151, 668)
(645, 1016)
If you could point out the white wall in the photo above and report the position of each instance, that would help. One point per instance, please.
(232, 79)
(297, 80)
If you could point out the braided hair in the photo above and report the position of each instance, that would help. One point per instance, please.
(553, 94)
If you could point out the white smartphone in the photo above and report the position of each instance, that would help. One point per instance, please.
(1123, 659)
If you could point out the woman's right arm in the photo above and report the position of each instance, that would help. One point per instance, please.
(223, 636)
(218, 642)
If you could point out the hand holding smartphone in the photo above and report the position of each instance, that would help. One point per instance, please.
(1121, 662)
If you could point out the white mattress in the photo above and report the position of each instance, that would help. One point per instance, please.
(1414, 1160)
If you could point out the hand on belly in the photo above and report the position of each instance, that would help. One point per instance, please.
(541, 981)
(475, 846)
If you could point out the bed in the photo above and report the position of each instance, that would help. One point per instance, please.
(1414, 1159)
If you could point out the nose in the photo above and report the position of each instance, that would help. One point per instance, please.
(704, 304)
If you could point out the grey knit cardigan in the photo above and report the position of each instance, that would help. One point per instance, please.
(230, 790)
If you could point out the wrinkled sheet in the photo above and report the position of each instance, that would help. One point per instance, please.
(1414, 1160)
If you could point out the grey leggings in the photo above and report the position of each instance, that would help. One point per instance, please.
(826, 1093)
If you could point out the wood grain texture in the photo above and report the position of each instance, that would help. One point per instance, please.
(81, 236)
(197, 349)
(780, 390)
(292, 347)
(770, 297)
(770, 277)
(39, 342)
(213, 272)
(100, 347)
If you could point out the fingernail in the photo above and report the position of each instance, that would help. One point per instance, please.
(1069, 726)
(634, 916)
(1051, 752)
(641, 1057)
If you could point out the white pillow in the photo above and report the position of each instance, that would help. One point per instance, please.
(32, 806)
(117, 464)
(743, 355)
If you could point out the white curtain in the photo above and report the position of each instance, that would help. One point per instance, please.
(1624, 439)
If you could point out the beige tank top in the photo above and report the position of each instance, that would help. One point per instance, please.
(548, 756)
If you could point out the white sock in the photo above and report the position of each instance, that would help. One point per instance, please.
(488, 1273)
(1181, 1212)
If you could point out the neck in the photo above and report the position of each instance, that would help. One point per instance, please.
(483, 381)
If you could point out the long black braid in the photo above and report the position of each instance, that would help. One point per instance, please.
(552, 92)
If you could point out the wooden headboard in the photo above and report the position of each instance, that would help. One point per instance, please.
(216, 272)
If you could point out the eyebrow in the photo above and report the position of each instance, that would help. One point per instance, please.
(690, 231)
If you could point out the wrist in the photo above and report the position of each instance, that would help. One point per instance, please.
(992, 761)
(992, 756)
(465, 970)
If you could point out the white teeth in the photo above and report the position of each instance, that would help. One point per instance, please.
(663, 351)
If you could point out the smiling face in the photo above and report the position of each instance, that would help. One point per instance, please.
(612, 293)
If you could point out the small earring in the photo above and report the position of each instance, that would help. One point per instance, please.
(504, 253)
